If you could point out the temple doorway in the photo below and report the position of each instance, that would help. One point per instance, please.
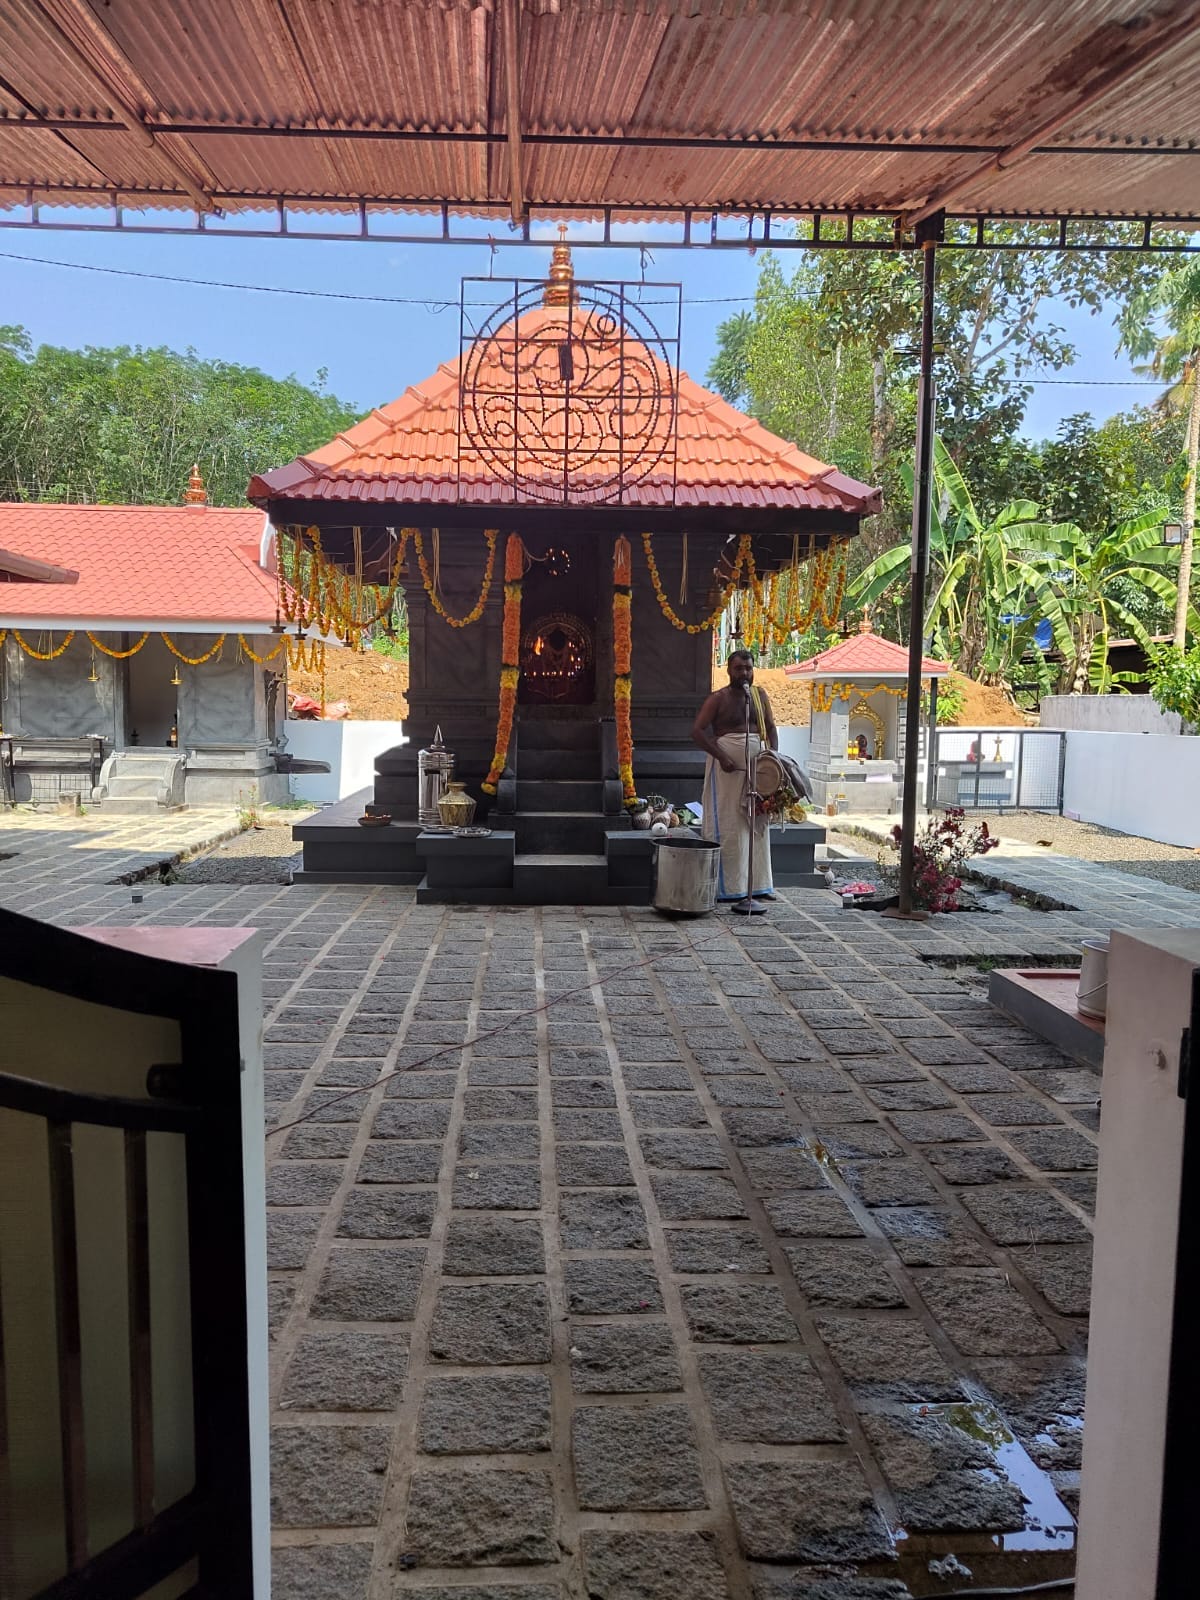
(558, 641)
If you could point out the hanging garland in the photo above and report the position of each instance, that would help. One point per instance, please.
(510, 648)
(740, 560)
(622, 664)
(298, 660)
(430, 581)
(43, 655)
(117, 655)
(316, 589)
(824, 694)
(250, 651)
(193, 661)
(830, 614)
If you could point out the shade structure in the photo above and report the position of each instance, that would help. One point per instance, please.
(496, 106)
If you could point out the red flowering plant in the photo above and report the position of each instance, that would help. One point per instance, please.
(940, 854)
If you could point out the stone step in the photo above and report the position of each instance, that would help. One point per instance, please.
(580, 766)
(550, 794)
(559, 832)
(557, 733)
(559, 878)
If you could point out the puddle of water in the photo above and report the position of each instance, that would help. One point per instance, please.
(1048, 1523)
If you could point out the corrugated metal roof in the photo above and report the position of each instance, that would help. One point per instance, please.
(176, 563)
(408, 451)
(737, 75)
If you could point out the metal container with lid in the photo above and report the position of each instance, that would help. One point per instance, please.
(434, 767)
(685, 878)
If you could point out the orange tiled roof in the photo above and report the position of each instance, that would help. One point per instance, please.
(408, 452)
(865, 655)
(152, 564)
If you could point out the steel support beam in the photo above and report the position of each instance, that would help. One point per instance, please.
(928, 237)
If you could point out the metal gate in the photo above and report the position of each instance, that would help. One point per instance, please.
(124, 1436)
(997, 769)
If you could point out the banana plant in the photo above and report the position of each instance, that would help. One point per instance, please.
(980, 611)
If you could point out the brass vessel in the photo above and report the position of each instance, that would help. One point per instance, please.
(456, 807)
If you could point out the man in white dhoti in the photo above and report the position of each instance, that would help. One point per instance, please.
(720, 730)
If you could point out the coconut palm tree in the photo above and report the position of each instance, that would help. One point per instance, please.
(1163, 323)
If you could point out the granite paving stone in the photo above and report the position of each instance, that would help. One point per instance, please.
(1012, 1215)
(696, 1199)
(611, 1286)
(653, 1565)
(935, 1127)
(328, 1477)
(499, 1247)
(667, 1111)
(976, 1163)
(411, 1119)
(1056, 1149)
(636, 1459)
(303, 1183)
(602, 1220)
(480, 1416)
(932, 1236)
(320, 1572)
(716, 1250)
(848, 1141)
(491, 1324)
(888, 1183)
(768, 1397)
(346, 1372)
(806, 1215)
(623, 1358)
(588, 1166)
(806, 1511)
(982, 1314)
(683, 1151)
(290, 1237)
(369, 1285)
(384, 1212)
(490, 1186)
(845, 1274)
(945, 1481)
(737, 1313)
(1062, 1273)
(889, 1358)
(499, 1141)
(473, 1518)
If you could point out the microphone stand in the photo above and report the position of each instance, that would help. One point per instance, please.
(748, 906)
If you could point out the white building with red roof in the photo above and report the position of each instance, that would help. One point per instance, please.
(139, 662)
(859, 705)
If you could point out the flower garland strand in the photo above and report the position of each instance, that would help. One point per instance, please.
(510, 649)
(622, 664)
(253, 654)
(43, 655)
(193, 661)
(740, 560)
(430, 581)
(117, 655)
(824, 694)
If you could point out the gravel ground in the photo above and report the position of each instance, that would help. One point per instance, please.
(1084, 841)
(266, 854)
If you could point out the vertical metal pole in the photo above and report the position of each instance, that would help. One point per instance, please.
(931, 750)
(929, 234)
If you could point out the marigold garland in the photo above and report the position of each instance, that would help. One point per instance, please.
(622, 664)
(43, 655)
(193, 661)
(117, 655)
(476, 611)
(510, 647)
(318, 590)
(740, 560)
(298, 659)
(253, 654)
(824, 694)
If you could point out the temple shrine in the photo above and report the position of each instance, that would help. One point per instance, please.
(568, 516)
(857, 734)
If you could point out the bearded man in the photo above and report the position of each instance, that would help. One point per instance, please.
(720, 731)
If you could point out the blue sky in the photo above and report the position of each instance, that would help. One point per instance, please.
(373, 351)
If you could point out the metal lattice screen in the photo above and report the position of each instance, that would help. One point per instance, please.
(998, 769)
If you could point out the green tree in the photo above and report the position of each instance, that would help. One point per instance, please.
(125, 425)
(1163, 323)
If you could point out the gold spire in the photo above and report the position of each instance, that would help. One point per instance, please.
(559, 290)
(865, 625)
(197, 494)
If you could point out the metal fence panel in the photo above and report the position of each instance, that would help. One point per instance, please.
(998, 769)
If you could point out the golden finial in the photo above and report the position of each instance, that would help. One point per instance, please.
(196, 494)
(559, 284)
(865, 625)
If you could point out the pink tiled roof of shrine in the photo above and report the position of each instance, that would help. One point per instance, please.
(408, 452)
(152, 564)
(864, 655)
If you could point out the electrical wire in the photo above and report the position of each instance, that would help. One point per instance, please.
(1054, 1586)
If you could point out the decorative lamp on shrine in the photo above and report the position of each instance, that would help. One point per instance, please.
(434, 767)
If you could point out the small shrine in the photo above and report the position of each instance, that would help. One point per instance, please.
(567, 516)
(859, 708)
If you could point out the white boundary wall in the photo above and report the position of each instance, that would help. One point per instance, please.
(350, 749)
(1139, 783)
(1107, 713)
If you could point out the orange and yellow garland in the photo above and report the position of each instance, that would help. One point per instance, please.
(428, 579)
(622, 663)
(510, 651)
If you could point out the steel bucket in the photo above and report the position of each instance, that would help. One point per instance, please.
(685, 875)
(1092, 993)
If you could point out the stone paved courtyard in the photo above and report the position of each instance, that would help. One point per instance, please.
(619, 1257)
